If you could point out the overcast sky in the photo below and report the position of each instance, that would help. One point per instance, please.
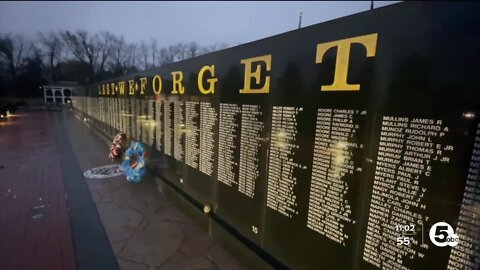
(172, 22)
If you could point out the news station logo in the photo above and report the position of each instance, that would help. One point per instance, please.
(442, 235)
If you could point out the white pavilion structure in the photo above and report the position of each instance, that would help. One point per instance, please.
(60, 93)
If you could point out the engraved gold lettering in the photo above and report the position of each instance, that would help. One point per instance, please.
(121, 88)
(157, 84)
(143, 85)
(131, 87)
(178, 88)
(112, 88)
(249, 75)
(211, 81)
(343, 56)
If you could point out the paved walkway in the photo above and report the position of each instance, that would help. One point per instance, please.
(145, 230)
(52, 218)
(34, 225)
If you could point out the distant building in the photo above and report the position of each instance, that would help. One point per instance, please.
(61, 92)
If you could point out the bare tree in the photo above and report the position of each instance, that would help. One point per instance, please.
(181, 50)
(33, 59)
(193, 49)
(12, 52)
(54, 51)
(86, 57)
(124, 57)
(212, 48)
(130, 64)
(153, 50)
(91, 50)
(203, 50)
(106, 45)
(33, 53)
(166, 55)
(144, 52)
(74, 46)
(217, 47)
(118, 49)
(82, 48)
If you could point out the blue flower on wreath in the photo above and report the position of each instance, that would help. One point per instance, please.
(134, 162)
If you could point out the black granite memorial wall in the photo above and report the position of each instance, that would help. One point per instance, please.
(335, 146)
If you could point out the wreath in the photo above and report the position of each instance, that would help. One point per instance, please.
(118, 147)
(134, 162)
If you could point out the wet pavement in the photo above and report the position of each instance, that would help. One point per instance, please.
(34, 225)
(87, 223)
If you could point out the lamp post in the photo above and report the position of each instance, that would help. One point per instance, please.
(300, 20)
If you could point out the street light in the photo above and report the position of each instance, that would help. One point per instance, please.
(300, 20)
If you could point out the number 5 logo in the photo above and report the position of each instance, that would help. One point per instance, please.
(442, 235)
